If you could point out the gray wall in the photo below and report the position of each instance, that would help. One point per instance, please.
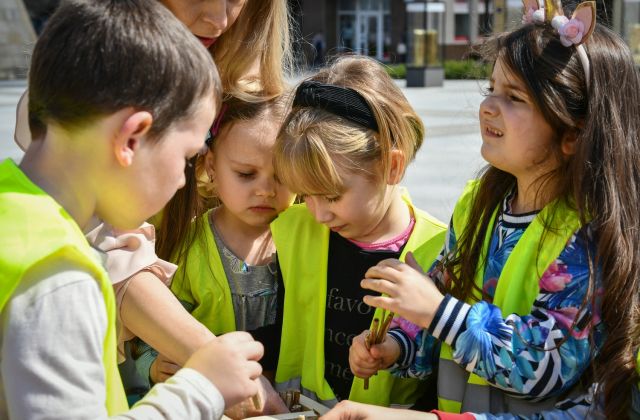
(17, 38)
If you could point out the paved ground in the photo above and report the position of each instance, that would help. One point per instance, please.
(448, 158)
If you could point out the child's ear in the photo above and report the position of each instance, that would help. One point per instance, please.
(396, 167)
(131, 135)
(569, 144)
(208, 165)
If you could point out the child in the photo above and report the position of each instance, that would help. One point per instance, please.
(111, 137)
(250, 44)
(227, 271)
(344, 147)
(545, 242)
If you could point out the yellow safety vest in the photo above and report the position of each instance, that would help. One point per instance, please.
(303, 254)
(638, 367)
(203, 283)
(516, 290)
(35, 228)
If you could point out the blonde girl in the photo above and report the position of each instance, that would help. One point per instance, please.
(344, 148)
(227, 270)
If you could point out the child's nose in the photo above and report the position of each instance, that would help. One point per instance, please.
(488, 106)
(323, 215)
(319, 211)
(215, 15)
(266, 188)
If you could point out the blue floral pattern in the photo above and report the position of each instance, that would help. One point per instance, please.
(540, 354)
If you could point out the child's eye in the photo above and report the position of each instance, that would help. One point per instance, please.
(246, 175)
(332, 199)
(515, 98)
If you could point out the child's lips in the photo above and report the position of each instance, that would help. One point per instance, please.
(207, 42)
(491, 131)
(262, 209)
(337, 228)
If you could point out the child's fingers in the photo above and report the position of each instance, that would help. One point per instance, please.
(238, 336)
(363, 372)
(411, 261)
(390, 262)
(253, 369)
(379, 285)
(379, 351)
(394, 272)
(253, 350)
(359, 354)
(386, 272)
(383, 302)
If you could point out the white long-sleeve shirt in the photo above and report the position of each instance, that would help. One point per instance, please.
(51, 346)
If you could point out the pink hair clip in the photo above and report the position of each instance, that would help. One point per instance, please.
(572, 32)
(533, 12)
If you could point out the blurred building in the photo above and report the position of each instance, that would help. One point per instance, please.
(385, 29)
(16, 39)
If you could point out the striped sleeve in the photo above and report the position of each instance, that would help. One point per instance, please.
(449, 320)
(407, 348)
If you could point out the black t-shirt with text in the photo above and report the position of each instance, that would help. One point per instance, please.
(346, 314)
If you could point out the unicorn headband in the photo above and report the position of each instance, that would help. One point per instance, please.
(574, 31)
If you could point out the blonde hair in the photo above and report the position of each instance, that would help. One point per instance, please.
(314, 143)
(198, 195)
(260, 36)
(236, 110)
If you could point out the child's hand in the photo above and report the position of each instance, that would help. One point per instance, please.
(270, 403)
(410, 293)
(230, 361)
(162, 369)
(366, 363)
(349, 410)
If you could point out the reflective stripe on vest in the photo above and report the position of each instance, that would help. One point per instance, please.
(203, 283)
(35, 228)
(303, 246)
(296, 383)
(516, 290)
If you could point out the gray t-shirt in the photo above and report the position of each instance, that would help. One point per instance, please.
(254, 289)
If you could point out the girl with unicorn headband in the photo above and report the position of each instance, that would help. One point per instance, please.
(537, 288)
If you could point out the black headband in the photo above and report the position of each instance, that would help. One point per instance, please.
(341, 101)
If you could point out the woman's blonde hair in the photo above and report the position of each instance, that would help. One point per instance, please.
(254, 54)
(314, 142)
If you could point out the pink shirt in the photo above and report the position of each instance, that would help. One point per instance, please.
(129, 252)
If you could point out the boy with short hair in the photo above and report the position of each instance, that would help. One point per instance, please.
(121, 95)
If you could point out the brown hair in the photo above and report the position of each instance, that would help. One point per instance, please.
(601, 180)
(312, 141)
(97, 57)
(260, 36)
(180, 218)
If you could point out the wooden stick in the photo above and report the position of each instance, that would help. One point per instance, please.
(256, 401)
(378, 334)
(368, 341)
(382, 332)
